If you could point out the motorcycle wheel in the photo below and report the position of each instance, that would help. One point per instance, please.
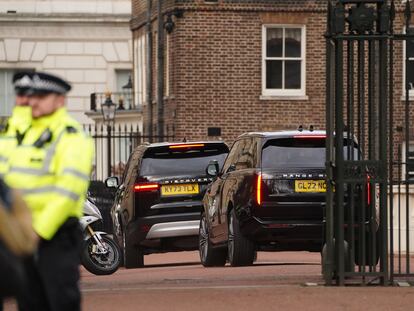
(101, 264)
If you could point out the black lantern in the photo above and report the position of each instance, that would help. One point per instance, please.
(108, 109)
(128, 92)
(169, 24)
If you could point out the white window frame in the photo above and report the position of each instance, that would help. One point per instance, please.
(411, 91)
(404, 158)
(284, 92)
(140, 64)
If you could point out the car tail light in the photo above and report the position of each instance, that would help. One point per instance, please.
(310, 136)
(186, 146)
(145, 187)
(259, 189)
(145, 228)
(368, 190)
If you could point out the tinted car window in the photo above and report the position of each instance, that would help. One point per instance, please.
(293, 152)
(246, 157)
(233, 156)
(167, 162)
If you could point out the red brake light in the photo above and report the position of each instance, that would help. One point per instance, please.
(259, 189)
(310, 136)
(186, 146)
(143, 187)
(368, 190)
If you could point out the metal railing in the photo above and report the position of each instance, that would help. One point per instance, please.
(122, 100)
(113, 146)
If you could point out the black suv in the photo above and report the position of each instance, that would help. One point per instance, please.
(269, 195)
(158, 203)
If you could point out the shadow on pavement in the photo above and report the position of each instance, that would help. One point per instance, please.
(287, 264)
(176, 264)
(182, 264)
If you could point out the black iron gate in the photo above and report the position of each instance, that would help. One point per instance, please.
(368, 145)
(113, 145)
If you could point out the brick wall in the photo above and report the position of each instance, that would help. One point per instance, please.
(215, 67)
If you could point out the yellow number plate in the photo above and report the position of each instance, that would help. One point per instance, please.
(167, 190)
(310, 186)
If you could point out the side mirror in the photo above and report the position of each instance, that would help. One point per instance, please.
(213, 168)
(112, 182)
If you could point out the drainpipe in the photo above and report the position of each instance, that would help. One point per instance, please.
(148, 70)
(160, 72)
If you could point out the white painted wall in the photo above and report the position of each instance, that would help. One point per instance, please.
(400, 216)
(65, 6)
(83, 41)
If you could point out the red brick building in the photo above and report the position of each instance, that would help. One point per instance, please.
(240, 65)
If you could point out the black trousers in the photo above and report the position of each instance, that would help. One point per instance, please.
(11, 275)
(53, 273)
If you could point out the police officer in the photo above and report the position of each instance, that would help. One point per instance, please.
(13, 131)
(51, 168)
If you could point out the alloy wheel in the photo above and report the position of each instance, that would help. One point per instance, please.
(203, 239)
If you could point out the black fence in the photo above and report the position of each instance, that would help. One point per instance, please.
(113, 145)
(370, 197)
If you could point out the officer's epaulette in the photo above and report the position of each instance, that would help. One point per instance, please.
(71, 130)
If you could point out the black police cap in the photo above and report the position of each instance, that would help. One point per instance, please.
(45, 83)
(22, 82)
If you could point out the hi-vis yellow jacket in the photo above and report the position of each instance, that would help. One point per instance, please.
(16, 127)
(51, 168)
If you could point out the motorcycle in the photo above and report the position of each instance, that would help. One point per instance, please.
(100, 254)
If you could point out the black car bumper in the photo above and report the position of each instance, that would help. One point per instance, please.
(285, 235)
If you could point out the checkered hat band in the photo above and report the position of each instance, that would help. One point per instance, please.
(47, 86)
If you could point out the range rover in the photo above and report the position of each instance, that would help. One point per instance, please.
(158, 203)
(270, 195)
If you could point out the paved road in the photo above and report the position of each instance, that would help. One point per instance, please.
(176, 281)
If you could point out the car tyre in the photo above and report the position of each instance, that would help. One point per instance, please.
(241, 250)
(209, 256)
(133, 255)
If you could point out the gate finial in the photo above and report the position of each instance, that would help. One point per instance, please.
(407, 15)
(329, 19)
(392, 10)
(338, 23)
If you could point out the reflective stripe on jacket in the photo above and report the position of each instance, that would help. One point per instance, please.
(51, 168)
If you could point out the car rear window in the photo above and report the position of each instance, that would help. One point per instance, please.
(298, 152)
(183, 161)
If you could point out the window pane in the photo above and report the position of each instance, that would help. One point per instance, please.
(274, 74)
(274, 41)
(293, 42)
(168, 163)
(410, 74)
(122, 77)
(6, 92)
(292, 74)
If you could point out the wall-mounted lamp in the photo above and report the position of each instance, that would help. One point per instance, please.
(169, 24)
